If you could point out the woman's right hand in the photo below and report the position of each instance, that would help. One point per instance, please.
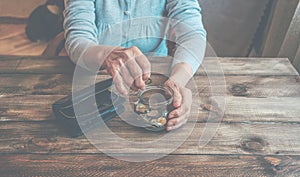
(128, 67)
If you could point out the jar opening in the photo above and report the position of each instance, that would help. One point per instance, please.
(155, 96)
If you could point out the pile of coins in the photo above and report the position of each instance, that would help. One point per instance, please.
(153, 106)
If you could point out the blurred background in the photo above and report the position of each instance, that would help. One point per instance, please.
(236, 28)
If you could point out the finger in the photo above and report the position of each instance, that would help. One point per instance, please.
(173, 127)
(177, 120)
(177, 98)
(119, 84)
(175, 113)
(179, 116)
(136, 73)
(145, 65)
(134, 68)
(185, 105)
(179, 111)
(126, 76)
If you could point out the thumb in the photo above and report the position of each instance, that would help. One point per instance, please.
(177, 98)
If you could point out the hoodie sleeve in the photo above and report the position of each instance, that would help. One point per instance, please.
(186, 21)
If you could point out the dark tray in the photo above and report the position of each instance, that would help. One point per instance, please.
(107, 106)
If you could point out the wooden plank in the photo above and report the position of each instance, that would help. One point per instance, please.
(237, 109)
(9, 31)
(173, 165)
(230, 66)
(35, 84)
(282, 16)
(36, 65)
(250, 66)
(13, 20)
(13, 40)
(40, 84)
(262, 109)
(230, 138)
(290, 44)
(248, 86)
(27, 108)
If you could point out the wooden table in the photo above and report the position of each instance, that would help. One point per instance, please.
(258, 136)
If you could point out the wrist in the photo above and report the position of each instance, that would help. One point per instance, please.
(181, 74)
(95, 56)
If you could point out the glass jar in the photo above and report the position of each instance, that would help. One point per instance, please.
(153, 105)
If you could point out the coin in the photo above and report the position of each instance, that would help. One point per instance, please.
(162, 120)
(148, 81)
(142, 108)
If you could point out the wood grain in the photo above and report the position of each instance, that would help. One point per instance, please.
(230, 138)
(237, 109)
(228, 66)
(249, 66)
(13, 40)
(186, 165)
(36, 65)
(248, 86)
(13, 20)
(42, 84)
(258, 135)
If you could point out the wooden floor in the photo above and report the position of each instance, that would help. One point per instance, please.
(13, 41)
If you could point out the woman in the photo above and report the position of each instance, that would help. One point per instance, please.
(117, 33)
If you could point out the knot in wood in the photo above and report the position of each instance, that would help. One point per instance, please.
(253, 144)
(239, 90)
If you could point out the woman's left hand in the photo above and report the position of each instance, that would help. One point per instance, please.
(182, 102)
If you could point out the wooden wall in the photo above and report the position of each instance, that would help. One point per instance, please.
(283, 37)
(231, 24)
(296, 61)
(282, 16)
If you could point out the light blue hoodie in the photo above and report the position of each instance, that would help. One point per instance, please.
(141, 23)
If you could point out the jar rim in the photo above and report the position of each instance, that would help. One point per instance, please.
(151, 88)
